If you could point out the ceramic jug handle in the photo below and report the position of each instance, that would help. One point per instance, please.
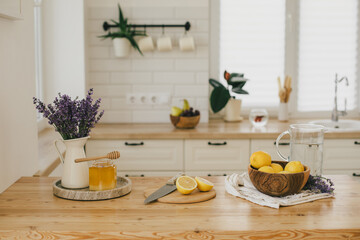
(57, 149)
(277, 145)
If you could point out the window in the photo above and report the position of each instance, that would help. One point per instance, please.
(311, 40)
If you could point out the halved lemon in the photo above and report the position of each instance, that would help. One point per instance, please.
(203, 184)
(185, 184)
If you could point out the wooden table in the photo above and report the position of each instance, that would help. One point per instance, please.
(28, 210)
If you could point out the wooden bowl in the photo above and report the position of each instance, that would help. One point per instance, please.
(278, 184)
(185, 122)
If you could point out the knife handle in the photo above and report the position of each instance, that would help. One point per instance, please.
(173, 179)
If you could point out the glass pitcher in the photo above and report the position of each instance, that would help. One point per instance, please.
(306, 146)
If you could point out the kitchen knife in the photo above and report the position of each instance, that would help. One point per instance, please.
(169, 187)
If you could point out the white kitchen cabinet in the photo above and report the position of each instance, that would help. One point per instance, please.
(341, 156)
(141, 155)
(268, 145)
(216, 155)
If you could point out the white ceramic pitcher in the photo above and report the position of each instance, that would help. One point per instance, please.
(74, 175)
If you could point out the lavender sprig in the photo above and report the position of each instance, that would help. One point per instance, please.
(319, 184)
(71, 118)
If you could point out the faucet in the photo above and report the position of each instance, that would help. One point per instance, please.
(335, 113)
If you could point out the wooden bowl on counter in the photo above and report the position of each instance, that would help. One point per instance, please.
(185, 122)
(278, 184)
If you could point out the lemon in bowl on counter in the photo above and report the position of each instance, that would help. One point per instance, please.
(259, 159)
(186, 184)
(277, 167)
(267, 169)
(294, 167)
(203, 185)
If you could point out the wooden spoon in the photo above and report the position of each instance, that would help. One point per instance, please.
(110, 155)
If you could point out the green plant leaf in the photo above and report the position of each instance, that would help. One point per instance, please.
(236, 75)
(237, 84)
(215, 83)
(239, 91)
(219, 98)
(134, 44)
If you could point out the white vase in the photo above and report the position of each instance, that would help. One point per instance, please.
(121, 47)
(232, 110)
(74, 175)
(283, 114)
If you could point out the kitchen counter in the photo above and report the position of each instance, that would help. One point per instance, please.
(29, 210)
(215, 129)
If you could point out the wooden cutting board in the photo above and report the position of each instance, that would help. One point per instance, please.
(177, 197)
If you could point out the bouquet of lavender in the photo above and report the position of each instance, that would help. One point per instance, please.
(71, 118)
(319, 184)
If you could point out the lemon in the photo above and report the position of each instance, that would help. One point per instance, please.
(294, 167)
(283, 172)
(186, 184)
(277, 167)
(203, 184)
(175, 111)
(259, 159)
(267, 169)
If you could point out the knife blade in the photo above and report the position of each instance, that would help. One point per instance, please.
(169, 187)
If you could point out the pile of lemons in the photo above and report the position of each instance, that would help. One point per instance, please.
(262, 161)
(187, 185)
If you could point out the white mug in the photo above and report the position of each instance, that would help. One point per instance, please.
(146, 44)
(164, 44)
(187, 43)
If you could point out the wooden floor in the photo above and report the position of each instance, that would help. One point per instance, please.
(28, 210)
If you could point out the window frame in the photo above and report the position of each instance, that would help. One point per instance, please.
(291, 60)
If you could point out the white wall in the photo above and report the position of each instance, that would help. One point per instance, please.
(18, 129)
(63, 48)
(180, 74)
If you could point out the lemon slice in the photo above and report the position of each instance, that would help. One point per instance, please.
(203, 184)
(185, 184)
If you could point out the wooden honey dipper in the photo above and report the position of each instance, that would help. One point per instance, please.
(110, 155)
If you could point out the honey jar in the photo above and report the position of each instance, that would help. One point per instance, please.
(102, 175)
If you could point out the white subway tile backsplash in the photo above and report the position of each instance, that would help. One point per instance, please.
(176, 78)
(99, 77)
(152, 65)
(202, 78)
(175, 73)
(99, 52)
(131, 77)
(191, 91)
(192, 12)
(154, 13)
(112, 91)
(110, 65)
(111, 116)
(192, 64)
(151, 116)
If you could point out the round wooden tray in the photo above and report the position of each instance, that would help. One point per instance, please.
(123, 187)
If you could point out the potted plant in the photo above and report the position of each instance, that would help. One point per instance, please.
(124, 37)
(73, 119)
(221, 95)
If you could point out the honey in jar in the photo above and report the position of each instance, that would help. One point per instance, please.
(102, 175)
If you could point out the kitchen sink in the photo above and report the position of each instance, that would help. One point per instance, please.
(341, 125)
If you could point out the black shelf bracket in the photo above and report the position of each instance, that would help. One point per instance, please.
(187, 25)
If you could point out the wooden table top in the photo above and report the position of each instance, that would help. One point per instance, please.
(28, 210)
(215, 129)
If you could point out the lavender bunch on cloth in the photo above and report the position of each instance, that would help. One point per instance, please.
(71, 118)
(319, 184)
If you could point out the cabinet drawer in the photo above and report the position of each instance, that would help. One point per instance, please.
(137, 155)
(269, 147)
(341, 154)
(216, 155)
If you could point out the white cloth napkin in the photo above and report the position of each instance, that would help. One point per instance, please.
(241, 186)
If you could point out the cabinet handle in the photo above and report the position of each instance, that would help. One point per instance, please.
(357, 143)
(217, 144)
(283, 144)
(209, 175)
(134, 144)
(127, 175)
(356, 175)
